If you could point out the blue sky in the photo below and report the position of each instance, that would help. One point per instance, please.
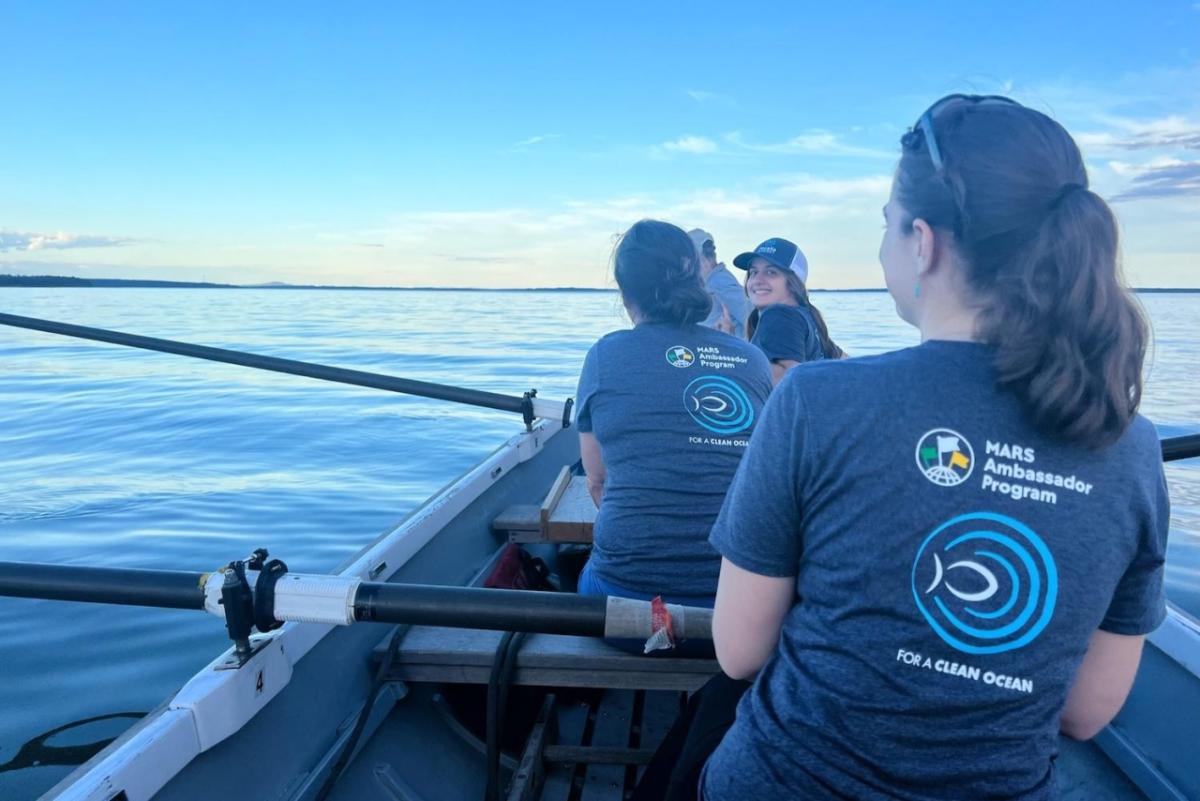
(507, 144)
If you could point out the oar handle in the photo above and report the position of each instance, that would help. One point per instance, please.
(530, 405)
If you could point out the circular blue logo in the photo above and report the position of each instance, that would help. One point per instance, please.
(985, 583)
(719, 404)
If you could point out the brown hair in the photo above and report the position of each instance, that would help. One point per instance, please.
(1040, 256)
(656, 267)
(800, 294)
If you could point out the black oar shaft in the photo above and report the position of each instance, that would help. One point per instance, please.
(500, 610)
(474, 397)
(418, 604)
(170, 589)
(1184, 447)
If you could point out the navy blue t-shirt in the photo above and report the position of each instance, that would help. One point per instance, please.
(672, 408)
(951, 564)
(788, 332)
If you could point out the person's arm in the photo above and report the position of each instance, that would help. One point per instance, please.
(748, 617)
(779, 368)
(1102, 684)
(593, 465)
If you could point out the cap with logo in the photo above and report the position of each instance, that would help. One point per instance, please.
(783, 254)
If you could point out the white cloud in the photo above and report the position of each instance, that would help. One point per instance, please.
(23, 241)
(534, 140)
(815, 142)
(691, 144)
(701, 96)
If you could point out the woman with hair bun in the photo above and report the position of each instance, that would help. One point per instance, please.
(664, 412)
(937, 560)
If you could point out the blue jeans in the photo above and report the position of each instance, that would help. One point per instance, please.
(591, 584)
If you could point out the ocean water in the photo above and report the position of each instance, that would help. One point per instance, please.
(118, 457)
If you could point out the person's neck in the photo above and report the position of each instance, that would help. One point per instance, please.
(960, 325)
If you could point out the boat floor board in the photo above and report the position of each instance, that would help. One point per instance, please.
(611, 729)
(464, 656)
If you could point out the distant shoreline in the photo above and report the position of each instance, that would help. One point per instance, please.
(61, 281)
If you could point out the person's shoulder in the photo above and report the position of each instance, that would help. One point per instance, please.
(849, 374)
(782, 311)
(1140, 438)
(721, 278)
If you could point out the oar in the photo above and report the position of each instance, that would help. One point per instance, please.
(529, 405)
(342, 600)
(1184, 447)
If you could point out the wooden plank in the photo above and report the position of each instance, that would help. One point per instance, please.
(523, 517)
(527, 781)
(607, 782)
(560, 777)
(464, 656)
(477, 647)
(597, 755)
(435, 674)
(573, 517)
(556, 490)
(659, 712)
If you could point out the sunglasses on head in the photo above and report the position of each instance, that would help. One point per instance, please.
(925, 123)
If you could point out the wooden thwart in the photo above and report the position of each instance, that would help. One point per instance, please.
(465, 656)
(566, 514)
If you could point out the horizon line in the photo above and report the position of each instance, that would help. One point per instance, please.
(20, 281)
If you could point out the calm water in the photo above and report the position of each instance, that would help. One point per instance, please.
(113, 456)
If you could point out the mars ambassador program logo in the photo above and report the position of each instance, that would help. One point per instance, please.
(718, 404)
(945, 457)
(985, 583)
(679, 356)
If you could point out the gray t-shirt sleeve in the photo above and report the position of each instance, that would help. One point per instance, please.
(785, 332)
(727, 292)
(1139, 603)
(589, 383)
(759, 528)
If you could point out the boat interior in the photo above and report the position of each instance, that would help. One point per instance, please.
(577, 720)
(423, 713)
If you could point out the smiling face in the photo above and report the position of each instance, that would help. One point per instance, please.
(766, 285)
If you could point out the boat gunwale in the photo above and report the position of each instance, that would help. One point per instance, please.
(98, 778)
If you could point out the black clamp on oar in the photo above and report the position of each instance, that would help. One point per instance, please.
(238, 603)
(527, 408)
(570, 402)
(264, 589)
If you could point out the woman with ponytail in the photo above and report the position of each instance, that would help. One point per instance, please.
(783, 324)
(664, 412)
(937, 560)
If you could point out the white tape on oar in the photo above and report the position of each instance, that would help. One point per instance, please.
(628, 618)
(298, 597)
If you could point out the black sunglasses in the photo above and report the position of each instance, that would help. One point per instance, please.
(925, 124)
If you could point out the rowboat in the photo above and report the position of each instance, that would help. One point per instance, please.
(441, 703)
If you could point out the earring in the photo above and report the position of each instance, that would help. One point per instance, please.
(917, 289)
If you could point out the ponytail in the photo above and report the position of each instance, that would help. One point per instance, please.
(1039, 253)
(1069, 339)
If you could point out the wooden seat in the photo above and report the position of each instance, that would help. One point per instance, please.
(465, 656)
(566, 514)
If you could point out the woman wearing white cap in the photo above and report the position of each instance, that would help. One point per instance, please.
(783, 324)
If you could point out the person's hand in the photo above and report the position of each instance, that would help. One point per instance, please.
(725, 323)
